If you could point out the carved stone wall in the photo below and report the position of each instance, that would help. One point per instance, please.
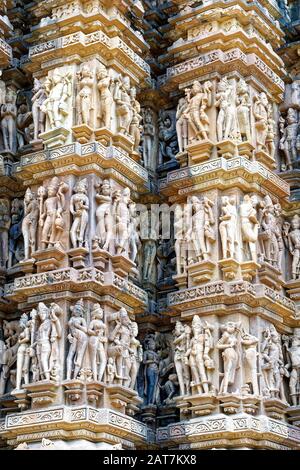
(149, 224)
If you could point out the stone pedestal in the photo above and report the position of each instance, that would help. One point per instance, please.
(82, 133)
(122, 399)
(230, 404)
(275, 408)
(104, 136)
(249, 270)
(199, 151)
(21, 399)
(270, 275)
(78, 256)
(246, 149)
(182, 158)
(201, 405)
(49, 259)
(230, 268)
(227, 149)
(265, 159)
(27, 266)
(122, 265)
(42, 394)
(250, 404)
(181, 280)
(294, 415)
(201, 272)
(55, 137)
(100, 258)
(123, 142)
(74, 391)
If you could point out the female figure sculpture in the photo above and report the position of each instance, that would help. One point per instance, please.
(250, 224)
(181, 343)
(30, 222)
(22, 354)
(136, 355)
(123, 101)
(38, 115)
(182, 124)
(151, 364)
(104, 229)
(79, 208)
(58, 89)
(84, 106)
(260, 111)
(250, 343)
(228, 344)
(226, 121)
(96, 343)
(8, 122)
(228, 227)
(243, 110)
(106, 97)
(78, 340)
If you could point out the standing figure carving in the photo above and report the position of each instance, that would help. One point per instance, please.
(199, 98)
(136, 355)
(8, 115)
(30, 223)
(151, 366)
(292, 240)
(8, 354)
(15, 232)
(168, 146)
(123, 102)
(227, 126)
(106, 97)
(243, 110)
(135, 128)
(181, 347)
(119, 344)
(198, 353)
(249, 224)
(270, 235)
(39, 96)
(121, 201)
(261, 114)
(79, 208)
(23, 358)
(229, 345)
(289, 130)
(46, 330)
(201, 233)
(273, 366)
(96, 343)
(84, 104)
(250, 354)
(228, 228)
(58, 88)
(182, 123)
(51, 213)
(78, 339)
(148, 138)
(5, 223)
(104, 229)
(292, 346)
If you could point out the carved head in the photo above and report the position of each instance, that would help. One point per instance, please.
(123, 316)
(196, 88)
(197, 325)
(81, 187)
(101, 72)
(295, 222)
(106, 188)
(179, 328)
(78, 309)
(43, 311)
(53, 186)
(23, 321)
(97, 312)
(28, 195)
(134, 329)
(126, 195)
(264, 99)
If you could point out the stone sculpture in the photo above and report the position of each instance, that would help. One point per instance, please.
(261, 114)
(30, 223)
(121, 214)
(123, 103)
(249, 224)
(289, 130)
(227, 126)
(148, 138)
(96, 343)
(119, 344)
(39, 96)
(15, 232)
(104, 229)
(79, 208)
(23, 357)
(5, 223)
(273, 367)
(133, 231)
(136, 356)
(250, 355)
(78, 339)
(243, 110)
(198, 353)
(182, 123)
(8, 355)
(8, 116)
(106, 97)
(135, 128)
(151, 365)
(270, 233)
(51, 212)
(292, 239)
(181, 347)
(58, 88)
(201, 233)
(168, 146)
(228, 228)
(292, 346)
(23, 124)
(228, 344)
(199, 98)
(84, 102)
